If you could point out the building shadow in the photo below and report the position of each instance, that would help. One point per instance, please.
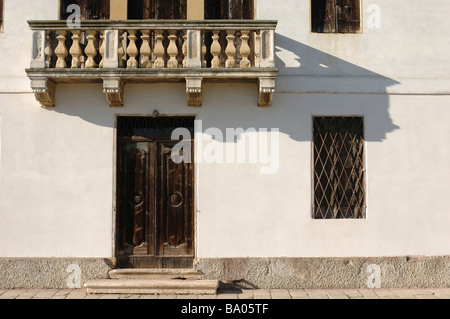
(310, 83)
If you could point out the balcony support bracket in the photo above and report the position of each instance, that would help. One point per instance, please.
(266, 90)
(113, 87)
(44, 91)
(194, 90)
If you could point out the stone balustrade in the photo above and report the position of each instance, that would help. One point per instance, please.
(117, 51)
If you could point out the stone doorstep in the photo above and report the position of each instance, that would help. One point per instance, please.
(157, 274)
(151, 286)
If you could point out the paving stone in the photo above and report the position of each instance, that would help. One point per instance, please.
(425, 296)
(261, 294)
(336, 294)
(167, 297)
(386, 294)
(316, 294)
(369, 294)
(207, 297)
(280, 294)
(421, 291)
(353, 293)
(129, 296)
(403, 293)
(442, 295)
(146, 296)
(61, 294)
(298, 294)
(11, 294)
(224, 294)
(77, 294)
(246, 294)
(45, 294)
(92, 296)
(187, 297)
(109, 296)
(28, 294)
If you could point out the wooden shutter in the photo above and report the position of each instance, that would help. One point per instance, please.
(323, 16)
(157, 9)
(348, 16)
(1, 12)
(330, 16)
(229, 9)
(90, 9)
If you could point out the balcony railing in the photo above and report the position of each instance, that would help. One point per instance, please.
(119, 52)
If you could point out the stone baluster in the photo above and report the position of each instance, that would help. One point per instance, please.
(184, 50)
(215, 50)
(90, 49)
(172, 50)
(75, 49)
(48, 52)
(230, 50)
(61, 50)
(132, 50)
(204, 50)
(159, 50)
(257, 48)
(121, 49)
(101, 49)
(146, 51)
(245, 50)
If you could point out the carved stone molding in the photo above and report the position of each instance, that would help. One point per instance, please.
(113, 89)
(194, 91)
(266, 90)
(44, 91)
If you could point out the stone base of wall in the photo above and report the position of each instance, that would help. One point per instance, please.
(49, 273)
(329, 273)
(262, 273)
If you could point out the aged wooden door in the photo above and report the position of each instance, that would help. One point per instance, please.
(154, 202)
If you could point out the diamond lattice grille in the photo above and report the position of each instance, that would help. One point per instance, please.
(339, 190)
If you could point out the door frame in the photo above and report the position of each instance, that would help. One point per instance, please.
(115, 181)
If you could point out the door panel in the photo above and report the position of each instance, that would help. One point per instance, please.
(175, 213)
(133, 197)
(155, 215)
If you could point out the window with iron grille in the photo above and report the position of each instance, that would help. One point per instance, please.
(336, 16)
(339, 174)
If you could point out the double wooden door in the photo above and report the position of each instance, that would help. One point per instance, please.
(154, 206)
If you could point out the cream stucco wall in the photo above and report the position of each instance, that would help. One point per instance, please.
(57, 165)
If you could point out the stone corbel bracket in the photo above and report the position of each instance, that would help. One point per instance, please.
(266, 90)
(44, 91)
(194, 90)
(113, 87)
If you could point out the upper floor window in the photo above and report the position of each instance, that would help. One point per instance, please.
(89, 9)
(229, 9)
(336, 16)
(157, 9)
(1, 15)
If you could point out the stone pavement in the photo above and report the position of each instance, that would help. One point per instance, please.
(429, 293)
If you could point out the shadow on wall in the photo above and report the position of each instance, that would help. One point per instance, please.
(305, 74)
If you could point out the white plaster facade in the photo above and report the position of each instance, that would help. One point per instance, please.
(57, 165)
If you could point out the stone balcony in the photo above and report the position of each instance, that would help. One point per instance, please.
(119, 52)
